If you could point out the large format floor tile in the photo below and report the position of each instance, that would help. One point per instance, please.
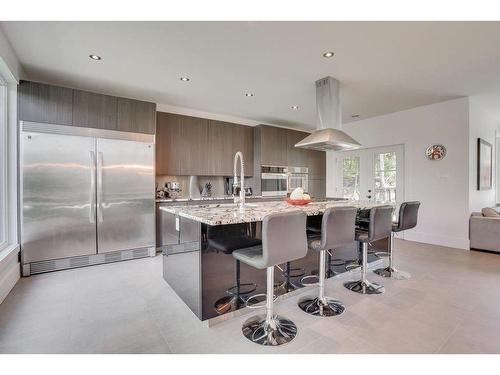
(450, 305)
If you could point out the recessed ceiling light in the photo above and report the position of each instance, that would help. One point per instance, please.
(355, 115)
(249, 94)
(184, 79)
(95, 57)
(294, 107)
(328, 54)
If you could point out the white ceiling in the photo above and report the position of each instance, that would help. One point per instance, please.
(383, 66)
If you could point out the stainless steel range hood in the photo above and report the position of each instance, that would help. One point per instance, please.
(329, 134)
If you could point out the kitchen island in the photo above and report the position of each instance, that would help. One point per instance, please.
(201, 275)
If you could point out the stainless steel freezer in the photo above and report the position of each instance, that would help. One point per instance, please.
(125, 182)
(87, 196)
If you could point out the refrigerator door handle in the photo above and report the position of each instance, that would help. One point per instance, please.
(100, 216)
(92, 188)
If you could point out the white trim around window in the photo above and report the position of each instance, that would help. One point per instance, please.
(4, 238)
(8, 166)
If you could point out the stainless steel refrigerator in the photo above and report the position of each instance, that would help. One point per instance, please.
(87, 196)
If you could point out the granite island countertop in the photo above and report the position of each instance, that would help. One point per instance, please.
(228, 213)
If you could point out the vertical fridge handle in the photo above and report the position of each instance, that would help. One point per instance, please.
(92, 188)
(100, 216)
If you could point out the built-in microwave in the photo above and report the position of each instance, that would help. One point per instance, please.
(298, 177)
(274, 181)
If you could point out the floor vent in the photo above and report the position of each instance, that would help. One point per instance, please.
(83, 261)
(43, 266)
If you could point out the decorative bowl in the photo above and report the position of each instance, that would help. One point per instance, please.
(298, 202)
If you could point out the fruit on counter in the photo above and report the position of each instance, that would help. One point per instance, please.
(298, 193)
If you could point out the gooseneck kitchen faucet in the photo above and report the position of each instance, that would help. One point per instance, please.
(241, 182)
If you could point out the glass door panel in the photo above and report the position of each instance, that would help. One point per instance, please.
(374, 174)
(350, 180)
(385, 176)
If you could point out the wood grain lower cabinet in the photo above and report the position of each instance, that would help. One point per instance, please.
(45, 103)
(136, 116)
(93, 110)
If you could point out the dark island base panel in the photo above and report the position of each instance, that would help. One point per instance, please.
(201, 276)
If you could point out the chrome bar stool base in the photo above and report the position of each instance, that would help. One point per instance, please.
(321, 305)
(276, 332)
(393, 273)
(364, 287)
(326, 307)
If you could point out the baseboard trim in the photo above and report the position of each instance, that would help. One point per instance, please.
(10, 273)
(448, 241)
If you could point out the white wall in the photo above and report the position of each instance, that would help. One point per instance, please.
(483, 123)
(441, 186)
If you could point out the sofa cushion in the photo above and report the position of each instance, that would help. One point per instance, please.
(489, 212)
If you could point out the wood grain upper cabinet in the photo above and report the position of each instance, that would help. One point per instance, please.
(296, 157)
(93, 110)
(136, 116)
(273, 146)
(224, 140)
(220, 148)
(193, 147)
(169, 144)
(45, 103)
(242, 140)
(317, 164)
(317, 188)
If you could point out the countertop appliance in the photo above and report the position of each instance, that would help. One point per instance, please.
(298, 177)
(87, 196)
(274, 181)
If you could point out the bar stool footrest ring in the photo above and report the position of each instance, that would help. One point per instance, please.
(258, 304)
(234, 289)
(305, 278)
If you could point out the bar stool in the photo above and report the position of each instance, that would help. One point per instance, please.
(283, 240)
(314, 232)
(407, 219)
(337, 230)
(379, 226)
(227, 239)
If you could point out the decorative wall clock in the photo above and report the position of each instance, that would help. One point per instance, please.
(435, 152)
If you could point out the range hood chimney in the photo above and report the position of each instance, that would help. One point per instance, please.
(328, 134)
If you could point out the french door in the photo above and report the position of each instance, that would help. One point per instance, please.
(372, 174)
